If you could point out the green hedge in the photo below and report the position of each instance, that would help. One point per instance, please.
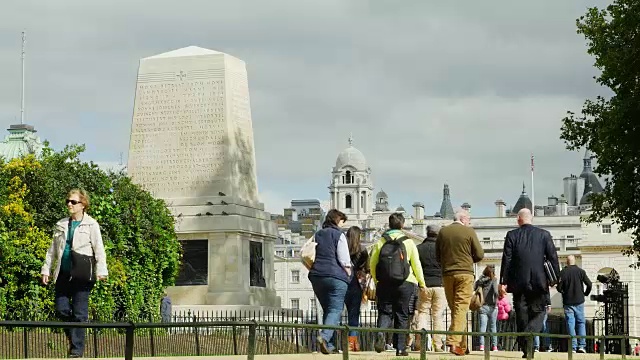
(143, 253)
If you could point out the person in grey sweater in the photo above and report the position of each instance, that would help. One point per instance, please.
(489, 311)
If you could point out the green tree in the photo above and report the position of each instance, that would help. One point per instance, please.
(610, 127)
(143, 254)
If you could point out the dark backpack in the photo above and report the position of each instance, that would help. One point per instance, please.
(393, 264)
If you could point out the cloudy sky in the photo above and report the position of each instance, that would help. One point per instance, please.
(434, 92)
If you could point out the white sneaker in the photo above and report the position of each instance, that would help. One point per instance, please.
(581, 351)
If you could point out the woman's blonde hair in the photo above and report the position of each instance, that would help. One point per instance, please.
(82, 195)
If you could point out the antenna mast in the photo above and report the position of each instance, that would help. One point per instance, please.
(24, 40)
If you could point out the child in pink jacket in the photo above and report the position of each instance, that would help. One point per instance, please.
(504, 307)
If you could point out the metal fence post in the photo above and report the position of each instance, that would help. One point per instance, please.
(197, 335)
(623, 347)
(267, 339)
(487, 349)
(129, 339)
(601, 347)
(530, 346)
(423, 344)
(345, 342)
(251, 343)
(151, 339)
(95, 342)
(570, 348)
(235, 340)
(25, 343)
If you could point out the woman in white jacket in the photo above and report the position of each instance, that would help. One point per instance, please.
(75, 260)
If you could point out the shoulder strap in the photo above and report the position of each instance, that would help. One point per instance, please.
(387, 237)
(69, 231)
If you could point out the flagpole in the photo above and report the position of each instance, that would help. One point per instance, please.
(533, 191)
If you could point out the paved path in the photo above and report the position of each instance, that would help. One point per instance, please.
(475, 355)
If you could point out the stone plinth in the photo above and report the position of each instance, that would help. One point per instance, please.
(192, 145)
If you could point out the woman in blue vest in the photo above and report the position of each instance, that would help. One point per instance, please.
(330, 275)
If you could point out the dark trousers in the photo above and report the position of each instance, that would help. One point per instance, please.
(530, 309)
(352, 301)
(393, 308)
(72, 305)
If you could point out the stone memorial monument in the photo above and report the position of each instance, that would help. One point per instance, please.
(192, 145)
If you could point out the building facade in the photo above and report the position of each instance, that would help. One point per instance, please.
(597, 247)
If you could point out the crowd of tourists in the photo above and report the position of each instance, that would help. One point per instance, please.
(415, 283)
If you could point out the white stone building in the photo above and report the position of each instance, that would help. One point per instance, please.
(597, 247)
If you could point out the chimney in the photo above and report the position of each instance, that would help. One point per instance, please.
(562, 208)
(418, 211)
(419, 227)
(501, 208)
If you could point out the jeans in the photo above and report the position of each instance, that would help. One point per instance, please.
(530, 309)
(546, 341)
(576, 323)
(393, 308)
(330, 293)
(352, 301)
(489, 316)
(72, 305)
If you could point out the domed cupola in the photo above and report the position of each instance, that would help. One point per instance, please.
(351, 157)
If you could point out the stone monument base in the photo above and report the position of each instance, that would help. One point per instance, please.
(240, 237)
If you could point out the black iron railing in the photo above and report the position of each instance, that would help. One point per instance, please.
(46, 339)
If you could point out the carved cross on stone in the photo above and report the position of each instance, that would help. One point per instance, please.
(181, 76)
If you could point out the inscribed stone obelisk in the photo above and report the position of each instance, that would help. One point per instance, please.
(192, 145)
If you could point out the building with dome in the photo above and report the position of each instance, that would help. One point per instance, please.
(597, 247)
(22, 140)
(351, 187)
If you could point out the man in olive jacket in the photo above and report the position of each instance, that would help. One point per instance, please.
(457, 249)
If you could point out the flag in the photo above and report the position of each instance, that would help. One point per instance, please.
(531, 162)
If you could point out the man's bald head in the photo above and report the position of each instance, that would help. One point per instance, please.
(571, 260)
(524, 217)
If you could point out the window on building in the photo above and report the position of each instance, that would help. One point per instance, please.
(606, 228)
(313, 305)
(571, 236)
(486, 238)
(372, 305)
(348, 178)
(280, 253)
(347, 201)
(295, 276)
(295, 304)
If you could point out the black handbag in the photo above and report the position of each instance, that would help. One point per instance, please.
(82, 266)
(552, 277)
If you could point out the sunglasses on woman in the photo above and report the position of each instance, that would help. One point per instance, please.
(73, 202)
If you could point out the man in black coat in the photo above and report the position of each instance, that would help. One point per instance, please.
(522, 271)
(431, 301)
